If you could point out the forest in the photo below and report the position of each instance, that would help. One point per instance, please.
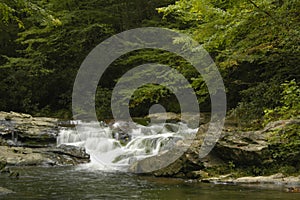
(254, 43)
(53, 147)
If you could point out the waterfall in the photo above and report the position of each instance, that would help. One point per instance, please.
(117, 146)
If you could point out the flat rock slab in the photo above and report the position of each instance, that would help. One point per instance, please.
(279, 179)
(21, 156)
(20, 129)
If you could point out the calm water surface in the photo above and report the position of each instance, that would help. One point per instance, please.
(72, 183)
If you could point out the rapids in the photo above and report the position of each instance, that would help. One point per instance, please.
(116, 146)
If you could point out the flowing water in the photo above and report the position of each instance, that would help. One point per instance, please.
(76, 183)
(112, 151)
(118, 146)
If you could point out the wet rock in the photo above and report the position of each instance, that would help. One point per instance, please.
(66, 155)
(73, 151)
(19, 129)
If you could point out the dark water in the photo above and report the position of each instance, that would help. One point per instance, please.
(71, 183)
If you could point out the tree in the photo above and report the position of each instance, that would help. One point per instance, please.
(55, 36)
(254, 43)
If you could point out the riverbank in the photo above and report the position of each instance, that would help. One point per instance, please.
(73, 183)
(269, 155)
(239, 157)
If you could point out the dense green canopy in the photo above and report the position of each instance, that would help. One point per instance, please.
(255, 44)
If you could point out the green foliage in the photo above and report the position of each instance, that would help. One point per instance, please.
(9, 13)
(254, 43)
(231, 165)
(285, 145)
(290, 103)
(250, 111)
(42, 59)
(13, 11)
(150, 94)
(103, 99)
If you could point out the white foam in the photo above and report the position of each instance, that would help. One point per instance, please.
(107, 153)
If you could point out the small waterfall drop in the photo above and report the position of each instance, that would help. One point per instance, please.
(119, 145)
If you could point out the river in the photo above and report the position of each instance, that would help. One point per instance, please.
(81, 183)
(99, 179)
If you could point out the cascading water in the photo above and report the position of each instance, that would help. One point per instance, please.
(118, 146)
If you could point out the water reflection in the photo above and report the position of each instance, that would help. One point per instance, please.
(71, 183)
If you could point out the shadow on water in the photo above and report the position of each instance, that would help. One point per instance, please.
(74, 183)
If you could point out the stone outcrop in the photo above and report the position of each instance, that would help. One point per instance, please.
(27, 140)
(23, 156)
(24, 130)
(250, 148)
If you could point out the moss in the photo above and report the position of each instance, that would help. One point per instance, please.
(253, 170)
(285, 145)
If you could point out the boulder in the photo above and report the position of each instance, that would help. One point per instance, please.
(243, 148)
(172, 163)
(77, 154)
